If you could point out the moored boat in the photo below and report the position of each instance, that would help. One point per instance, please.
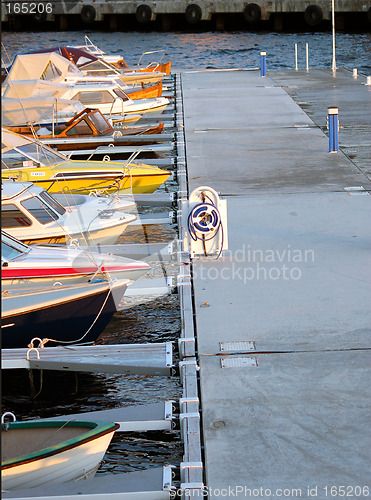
(35, 452)
(87, 129)
(63, 314)
(32, 215)
(119, 62)
(30, 266)
(26, 159)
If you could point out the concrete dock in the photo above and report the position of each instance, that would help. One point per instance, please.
(283, 317)
(119, 14)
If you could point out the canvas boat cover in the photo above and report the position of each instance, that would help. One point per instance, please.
(45, 66)
(10, 140)
(32, 88)
(17, 112)
(75, 54)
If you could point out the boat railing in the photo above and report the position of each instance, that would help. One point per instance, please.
(113, 105)
(92, 48)
(162, 52)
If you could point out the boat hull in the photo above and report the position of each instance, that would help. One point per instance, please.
(67, 314)
(72, 459)
(146, 93)
(107, 235)
(86, 177)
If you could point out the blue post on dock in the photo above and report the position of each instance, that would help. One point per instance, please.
(333, 127)
(263, 64)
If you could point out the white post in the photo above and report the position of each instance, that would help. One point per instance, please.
(296, 56)
(333, 37)
(307, 55)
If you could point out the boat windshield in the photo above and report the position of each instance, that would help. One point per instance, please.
(52, 202)
(121, 94)
(99, 122)
(30, 154)
(11, 248)
(40, 210)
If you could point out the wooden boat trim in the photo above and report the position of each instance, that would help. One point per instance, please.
(101, 429)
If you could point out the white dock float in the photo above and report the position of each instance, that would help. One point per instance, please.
(149, 359)
(158, 162)
(150, 484)
(191, 468)
(140, 418)
(154, 287)
(160, 199)
(139, 250)
(143, 138)
(106, 150)
(148, 219)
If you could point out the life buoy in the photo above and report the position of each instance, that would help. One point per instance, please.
(193, 13)
(313, 15)
(87, 14)
(143, 14)
(252, 13)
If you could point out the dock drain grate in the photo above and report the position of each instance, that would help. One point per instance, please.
(234, 362)
(240, 346)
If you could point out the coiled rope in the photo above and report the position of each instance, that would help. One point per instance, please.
(205, 222)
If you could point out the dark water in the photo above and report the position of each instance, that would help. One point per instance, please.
(213, 49)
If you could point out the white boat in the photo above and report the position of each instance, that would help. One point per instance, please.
(110, 99)
(24, 266)
(37, 453)
(118, 60)
(32, 215)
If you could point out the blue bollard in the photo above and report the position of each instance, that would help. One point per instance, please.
(263, 64)
(333, 128)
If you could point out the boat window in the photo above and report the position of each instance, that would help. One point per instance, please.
(14, 159)
(33, 151)
(11, 216)
(81, 128)
(99, 72)
(39, 210)
(121, 94)
(94, 97)
(95, 65)
(52, 202)
(14, 243)
(100, 122)
(8, 252)
(119, 83)
(51, 72)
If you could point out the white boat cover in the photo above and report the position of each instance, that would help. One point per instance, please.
(47, 66)
(10, 140)
(32, 88)
(36, 109)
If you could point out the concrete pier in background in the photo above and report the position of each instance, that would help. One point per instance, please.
(283, 317)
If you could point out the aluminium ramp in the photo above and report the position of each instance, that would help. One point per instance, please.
(140, 418)
(107, 150)
(151, 484)
(148, 359)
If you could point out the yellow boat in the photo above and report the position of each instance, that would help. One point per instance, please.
(25, 159)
